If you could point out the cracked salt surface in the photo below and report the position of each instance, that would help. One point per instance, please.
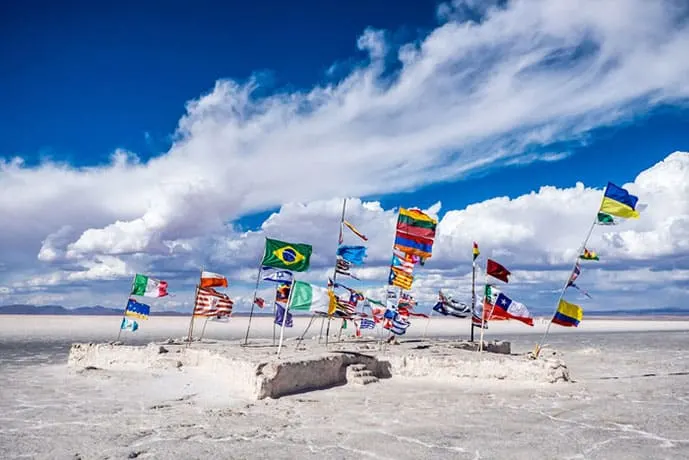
(630, 400)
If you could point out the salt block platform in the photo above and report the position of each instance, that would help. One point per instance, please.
(255, 372)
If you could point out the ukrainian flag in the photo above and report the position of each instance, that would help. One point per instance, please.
(568, 314)
(619, 202)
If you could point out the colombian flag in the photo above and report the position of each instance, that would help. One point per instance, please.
(568, 314)
(619, 202)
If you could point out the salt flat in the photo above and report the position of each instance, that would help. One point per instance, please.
(630, 399)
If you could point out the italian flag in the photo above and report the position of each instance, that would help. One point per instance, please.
(307, 297)
(148, 287)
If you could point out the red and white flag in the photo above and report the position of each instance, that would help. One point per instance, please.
(260, 303)
(210, 302)
(210, 279)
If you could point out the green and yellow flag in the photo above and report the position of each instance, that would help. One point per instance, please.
(290, 256)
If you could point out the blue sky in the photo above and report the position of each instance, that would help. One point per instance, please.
(83, 81)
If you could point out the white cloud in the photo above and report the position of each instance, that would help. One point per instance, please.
(470, 95)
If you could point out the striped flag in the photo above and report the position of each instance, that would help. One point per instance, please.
(397, 326)
(210, 302)
(367, 324)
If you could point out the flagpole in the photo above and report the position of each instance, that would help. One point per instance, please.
(193, 308)
(274, 301)
(537, 351)
(339, 241)
(253, 302)
(473, 296)
(428, 321)
(203, 329)
(284, 317)
(124, 312)
(483, 315)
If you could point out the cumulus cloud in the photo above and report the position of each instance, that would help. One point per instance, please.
(491, 86)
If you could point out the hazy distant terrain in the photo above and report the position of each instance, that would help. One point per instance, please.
(630, 400)
(20, 309)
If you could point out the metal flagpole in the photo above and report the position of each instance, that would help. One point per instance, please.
(537, 351)
(339, 241)
(274, 307)
(284, 316)
(473, 296)
(301, 338)
(483, 315)
(253, 302)
(203, 329)
(193, 308)
(124, 312)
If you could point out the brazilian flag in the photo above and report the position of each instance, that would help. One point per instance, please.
(280, 254)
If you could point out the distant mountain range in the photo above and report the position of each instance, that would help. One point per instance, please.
(19, 309)
(79, 311)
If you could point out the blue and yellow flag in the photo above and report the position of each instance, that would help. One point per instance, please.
(619, 202)
(568, 314)
(137, 310)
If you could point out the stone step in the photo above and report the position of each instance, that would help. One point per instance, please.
(365, 380)
(365, 373)
(357, 367)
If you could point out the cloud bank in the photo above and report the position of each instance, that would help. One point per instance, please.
(471, 95)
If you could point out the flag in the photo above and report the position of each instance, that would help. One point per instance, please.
(417, 246)
(581, 290)
(407, 313)
(352, 254)
(137, 310)
(260, 303)
(513, 309)
(275, 275)
(398, 325)
(403, 262)
(280, 316)
(490, 298)
(589, 255)
(291, 256)
(568, 314)
(475, 250)
(367, 324)
(148, 287)
(342, 267)
(400, 279)
(282, 293)
(605, 219)
(415, 233)
(619, 202)
(307, 297)
(355, 231)
(575, 274)
(129, 325)
(414, 223)
(476, 321)
(448, 307)
(210, 302)
(458, 311)
(496, 270)
(210, 279)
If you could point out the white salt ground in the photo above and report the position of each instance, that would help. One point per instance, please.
(630, 400)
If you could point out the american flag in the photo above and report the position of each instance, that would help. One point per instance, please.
(210, 302)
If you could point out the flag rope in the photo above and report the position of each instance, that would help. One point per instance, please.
(339, 241)
(253, 302)
(537, 350)
(284, 317)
